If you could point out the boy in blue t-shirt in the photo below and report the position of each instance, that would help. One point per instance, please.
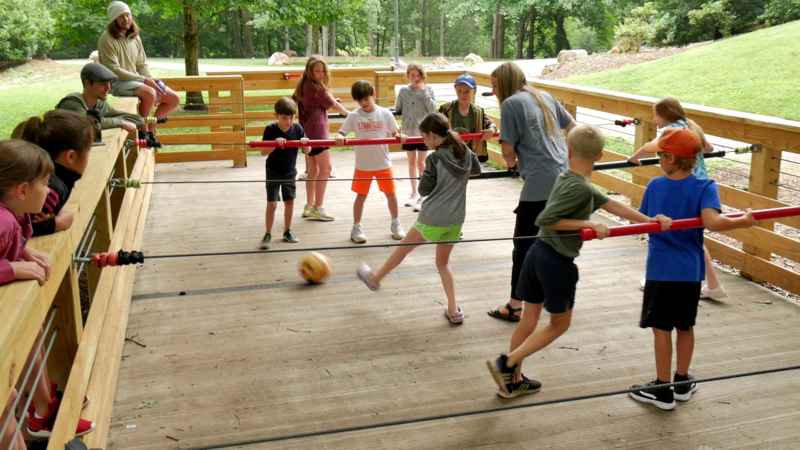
(675, 264)
(282, 167)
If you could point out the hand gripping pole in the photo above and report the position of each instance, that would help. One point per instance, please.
(588, 234)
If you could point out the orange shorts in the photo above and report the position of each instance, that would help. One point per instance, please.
(362, 186)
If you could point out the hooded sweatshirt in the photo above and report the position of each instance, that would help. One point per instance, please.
(109, 117)
(444, 182)
(14, 234)
(61, 183)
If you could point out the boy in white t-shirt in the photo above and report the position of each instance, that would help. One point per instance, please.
(371, 121)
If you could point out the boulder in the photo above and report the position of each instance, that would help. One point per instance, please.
(457, 66)
(472, 58)
(569, 55)
(440, 63)
(290, 53)
(94, 56)
(549, 68)
(615, 50)
(41, 57)
(279, 59)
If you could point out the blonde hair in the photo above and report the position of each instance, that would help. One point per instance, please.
(586, 141)
(308, 75)
(418, 67)
(438, 124)
(670, 109)
(22, 162)
(510, 80)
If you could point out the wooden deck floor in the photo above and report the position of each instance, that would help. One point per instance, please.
(238, 349)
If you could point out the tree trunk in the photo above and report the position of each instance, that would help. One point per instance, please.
(269, 44)
(501, 37)
(521, 35)
(324, 34)
(442, 19)
(237, 35)
(332, 40)
(191, 44)
(309, 39)
(316, 40)
(285, 40)
(423, 16)
(493, 44)
(532, 34)
(371, 36)
(249, 52)
(562, 43)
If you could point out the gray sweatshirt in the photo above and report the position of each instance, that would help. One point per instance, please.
(415, 105)
(444, 182)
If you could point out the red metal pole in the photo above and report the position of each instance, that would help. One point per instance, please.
(588, 234)
(351, 142)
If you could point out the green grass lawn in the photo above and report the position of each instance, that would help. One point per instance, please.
(756, 72)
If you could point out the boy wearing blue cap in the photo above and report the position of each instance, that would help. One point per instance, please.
(467, 117)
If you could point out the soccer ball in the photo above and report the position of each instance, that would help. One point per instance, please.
(315, 267)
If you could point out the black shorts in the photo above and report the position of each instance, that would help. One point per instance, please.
(280, 185)
(421, 147)
(548, 277)
(317, 150)
(670, 304)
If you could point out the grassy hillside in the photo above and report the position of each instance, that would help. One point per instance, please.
(756, 72)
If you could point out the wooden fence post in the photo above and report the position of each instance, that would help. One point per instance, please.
(764, 176)
(237, 107)
(645, 133)
(105, 229)
(69, 321)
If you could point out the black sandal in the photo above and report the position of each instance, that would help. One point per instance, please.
(511, 317)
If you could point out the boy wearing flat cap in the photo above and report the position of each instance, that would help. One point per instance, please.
(675, 264)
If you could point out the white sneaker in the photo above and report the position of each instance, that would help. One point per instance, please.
(397, 229)
(363, 272)
(357, 235)
(418, 205)
(332, 175)
(302, 176)
(412, 200)
(319, 213)
(641, 284)
(716, 293)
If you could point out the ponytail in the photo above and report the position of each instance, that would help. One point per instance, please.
(58, 131)
(698, 130)
(438, 124)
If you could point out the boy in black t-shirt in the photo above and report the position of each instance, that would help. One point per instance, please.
(282, 167)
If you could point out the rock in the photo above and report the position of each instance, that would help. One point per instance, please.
(440, 63)
(279, 59)
(41, 57)
(472, 58)
(94, 56)
(290, 53)
(549, 68)
(615, 50)
(569, 55)
(457, 66)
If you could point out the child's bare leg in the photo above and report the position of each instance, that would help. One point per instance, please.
(525, 327)
(663, 346)
(358, 207)
(5, 439)
(541, 338)
(685, 348)
(312, 172)
(288, 208)
(412, 170)
(446, 273)
(391, 199)
(323, 161)
(271, 207)
(422, 156)
(711, 276)
(398, 255)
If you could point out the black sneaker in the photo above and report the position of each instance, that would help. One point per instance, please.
(145, 136)
(288, 236)
(650, 393)
(266, 242)
(684, 392)
(502, 374)
(526, 386)
(152, 140)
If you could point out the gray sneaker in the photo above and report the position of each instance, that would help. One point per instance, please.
(363, 272)
(357, 235)
(308, 211)
(397, 229)
(319, 213)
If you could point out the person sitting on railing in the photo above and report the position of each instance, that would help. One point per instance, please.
(120, 49)
(67, 137)
(25, 170)
(467, 117)
(97, 80)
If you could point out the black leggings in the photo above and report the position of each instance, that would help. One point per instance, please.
(527, 213)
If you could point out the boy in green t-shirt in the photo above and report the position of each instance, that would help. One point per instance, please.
(549, 274)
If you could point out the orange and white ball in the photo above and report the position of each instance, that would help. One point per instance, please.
(315, 267)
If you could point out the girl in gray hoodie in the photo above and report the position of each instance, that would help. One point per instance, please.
(442, 214)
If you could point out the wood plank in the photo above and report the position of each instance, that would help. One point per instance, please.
(753, 265)
(206, 155)
(229, 137)
(207, 83)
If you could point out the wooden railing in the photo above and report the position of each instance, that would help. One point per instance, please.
(225, 122)
(24, 304)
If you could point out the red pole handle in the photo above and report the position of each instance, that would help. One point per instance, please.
(588, 234)
(350, 142)
(287, 75)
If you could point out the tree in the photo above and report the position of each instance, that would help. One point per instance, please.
(24, 29)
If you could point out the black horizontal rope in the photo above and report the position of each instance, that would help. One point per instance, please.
(783, 186)
(787, 174)
(396, 423)
(728, 171)
(736, 161)
(786, 160)
(355, 246)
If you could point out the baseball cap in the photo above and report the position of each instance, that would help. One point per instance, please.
(467, 79)
(678, 141)
(96, 72)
